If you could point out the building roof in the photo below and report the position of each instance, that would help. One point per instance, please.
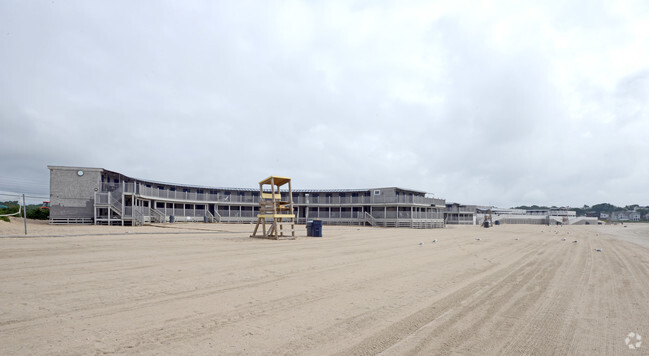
(278, 181)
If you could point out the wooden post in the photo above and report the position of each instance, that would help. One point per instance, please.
(25, 214)
(290, 199)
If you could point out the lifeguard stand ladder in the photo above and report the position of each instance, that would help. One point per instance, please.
(273, 210)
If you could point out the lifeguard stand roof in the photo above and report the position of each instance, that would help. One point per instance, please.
(279, 181)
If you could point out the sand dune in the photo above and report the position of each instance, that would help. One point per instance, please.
(208, 288)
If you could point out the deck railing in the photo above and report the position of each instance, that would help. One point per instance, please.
(101, 198)
(112, 199)
(166, 194)
(210, 217)
(138, 216)
(370, 219)
(115, 201)
(157, 216)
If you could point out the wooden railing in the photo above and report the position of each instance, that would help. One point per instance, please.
(370, 219)
(166, 194)
(157, 216)
(138, 216)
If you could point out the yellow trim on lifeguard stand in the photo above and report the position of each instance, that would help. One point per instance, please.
(271, 206)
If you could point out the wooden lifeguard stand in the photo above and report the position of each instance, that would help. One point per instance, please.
(273, 210)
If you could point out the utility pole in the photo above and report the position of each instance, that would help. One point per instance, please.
(25, 214)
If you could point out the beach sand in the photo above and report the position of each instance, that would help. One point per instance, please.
(210, 289)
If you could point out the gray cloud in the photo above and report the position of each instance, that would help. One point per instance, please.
(501, 105)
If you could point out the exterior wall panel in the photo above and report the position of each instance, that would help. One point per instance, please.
(72, 195)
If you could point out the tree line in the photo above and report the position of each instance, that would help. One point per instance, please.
(34, 211)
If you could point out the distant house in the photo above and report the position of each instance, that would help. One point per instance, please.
(626, 216)
(620, 216)
(603, 216)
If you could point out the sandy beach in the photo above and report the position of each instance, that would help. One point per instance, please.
(210, 289)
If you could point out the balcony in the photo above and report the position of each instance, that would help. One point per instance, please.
(193, 196)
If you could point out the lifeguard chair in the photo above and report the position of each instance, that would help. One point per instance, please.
(273, 210)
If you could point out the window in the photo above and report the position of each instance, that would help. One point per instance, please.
(377, 192)
(172, 189)
(185, 190)
(200, 191)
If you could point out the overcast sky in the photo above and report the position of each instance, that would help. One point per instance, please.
(493, 102)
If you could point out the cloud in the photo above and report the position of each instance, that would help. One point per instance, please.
(488, 103)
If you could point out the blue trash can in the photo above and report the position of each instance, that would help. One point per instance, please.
(317, 228)
(172, 219)
(309, 228)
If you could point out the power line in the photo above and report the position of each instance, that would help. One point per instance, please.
(33, 199)
(32, 195)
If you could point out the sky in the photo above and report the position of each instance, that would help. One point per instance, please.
(501, 103)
